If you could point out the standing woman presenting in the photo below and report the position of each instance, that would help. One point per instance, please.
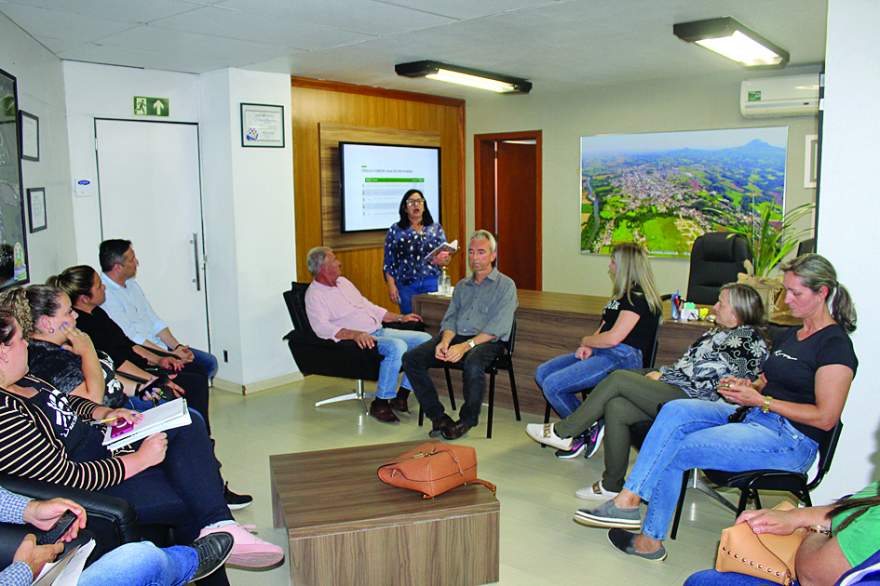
(407, 271)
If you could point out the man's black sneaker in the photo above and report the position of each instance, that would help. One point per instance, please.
(213, 550)
(236, 501)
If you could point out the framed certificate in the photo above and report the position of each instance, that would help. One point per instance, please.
(30, 136)
(36, 199)
(262, 125)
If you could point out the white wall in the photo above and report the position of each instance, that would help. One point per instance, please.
(849, 208)
(247, 199)
(650, 106)
(41, 93)
(104, 91)
(251, 189)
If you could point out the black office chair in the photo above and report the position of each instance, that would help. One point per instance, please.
(504, 361)
(111, 520)
(314, 355)
(805, 246)
(749, 483)
(343, 359)
(716, 258)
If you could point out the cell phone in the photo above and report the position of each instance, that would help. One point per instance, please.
(54, 534)
(120, 428)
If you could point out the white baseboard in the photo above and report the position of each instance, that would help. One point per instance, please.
(256, 387)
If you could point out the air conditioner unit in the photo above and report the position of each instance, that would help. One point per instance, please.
(793, 95)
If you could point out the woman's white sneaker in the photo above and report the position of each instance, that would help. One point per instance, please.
(595, 492)
(543, 433)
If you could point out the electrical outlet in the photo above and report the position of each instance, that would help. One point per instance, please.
(225, 356)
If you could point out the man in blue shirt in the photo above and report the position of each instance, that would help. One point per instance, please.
(479, 318)
(127, 305)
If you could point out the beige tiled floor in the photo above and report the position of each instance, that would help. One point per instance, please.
(540, 544)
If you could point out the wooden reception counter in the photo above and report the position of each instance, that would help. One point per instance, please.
(550, 324)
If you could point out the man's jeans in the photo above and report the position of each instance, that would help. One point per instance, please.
(142, 564)
(393, 344)
(690, 433)
(206, 361)
(561, 378)
(406, 292)
(416, 363)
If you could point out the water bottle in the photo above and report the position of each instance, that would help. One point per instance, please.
(676, 305)
(445, 285)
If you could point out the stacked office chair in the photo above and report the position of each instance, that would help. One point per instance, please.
(716, 258)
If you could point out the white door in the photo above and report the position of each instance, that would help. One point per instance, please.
(150, 193)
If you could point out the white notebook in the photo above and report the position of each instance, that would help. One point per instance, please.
(165, 416)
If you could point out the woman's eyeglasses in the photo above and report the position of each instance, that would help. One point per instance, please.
(414, 202)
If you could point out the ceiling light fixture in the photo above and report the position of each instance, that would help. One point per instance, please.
(484, 80)
(729, 38)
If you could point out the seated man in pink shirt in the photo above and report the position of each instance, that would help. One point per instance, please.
(337, 311)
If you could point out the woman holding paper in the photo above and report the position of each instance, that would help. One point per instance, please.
(409, 270)
(172, 478)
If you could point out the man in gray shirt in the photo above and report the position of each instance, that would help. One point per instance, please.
(479, 318)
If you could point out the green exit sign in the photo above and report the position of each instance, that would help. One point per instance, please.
(754, 96)
(148, 106)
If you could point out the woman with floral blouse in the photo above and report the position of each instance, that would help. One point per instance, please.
(408, 270)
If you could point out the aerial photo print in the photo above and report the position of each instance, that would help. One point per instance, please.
(665, 189)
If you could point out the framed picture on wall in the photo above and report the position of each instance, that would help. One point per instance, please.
(13, 244)
(811, 160)
(262, 125)
(36, 198)
(665, 189)
(30, 136)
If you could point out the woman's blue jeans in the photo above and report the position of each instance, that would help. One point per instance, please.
(716, 578)
(690, 433)
(406, 292)
(561, 378)
(142, 564)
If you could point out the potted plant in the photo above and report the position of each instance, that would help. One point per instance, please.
(772, 237)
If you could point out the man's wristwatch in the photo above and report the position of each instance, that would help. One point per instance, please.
(471, 344)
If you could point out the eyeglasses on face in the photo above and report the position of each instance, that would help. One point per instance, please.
(415, 202)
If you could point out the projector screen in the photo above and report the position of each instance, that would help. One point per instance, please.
(375, 177)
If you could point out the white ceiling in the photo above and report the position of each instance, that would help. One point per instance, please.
(558, 44)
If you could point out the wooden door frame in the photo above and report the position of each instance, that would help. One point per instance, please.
(535, 135)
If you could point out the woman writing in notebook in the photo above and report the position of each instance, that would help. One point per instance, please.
(171, 478)
(408, 270)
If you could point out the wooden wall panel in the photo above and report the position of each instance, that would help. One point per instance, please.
(317, 103)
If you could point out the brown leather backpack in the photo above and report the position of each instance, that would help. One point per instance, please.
(433, 468)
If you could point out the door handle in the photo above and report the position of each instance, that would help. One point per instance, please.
(198, 278)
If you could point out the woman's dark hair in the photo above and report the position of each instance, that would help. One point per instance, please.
(7, 325)
(28, 304)
(427, 218)
(75, 281)
(847, 503)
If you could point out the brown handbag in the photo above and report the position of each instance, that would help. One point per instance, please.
(764, 556)
(433, 468)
